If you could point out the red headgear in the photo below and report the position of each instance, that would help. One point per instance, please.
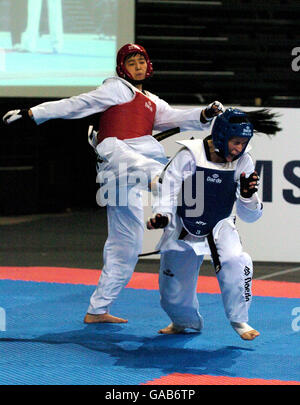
(127, 50)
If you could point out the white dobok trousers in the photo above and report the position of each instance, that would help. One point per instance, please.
(125, 222)
(120, 254)
(178, 278)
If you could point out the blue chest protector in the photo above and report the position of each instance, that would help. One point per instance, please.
(219, 196)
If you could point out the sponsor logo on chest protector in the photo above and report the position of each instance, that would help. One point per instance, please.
(148, 105)
(214, 178)
(201, 223)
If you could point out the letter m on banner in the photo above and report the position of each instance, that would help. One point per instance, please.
(2, 319)
(264, 169)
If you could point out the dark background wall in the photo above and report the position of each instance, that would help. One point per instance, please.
(45, 169)
(238, 52)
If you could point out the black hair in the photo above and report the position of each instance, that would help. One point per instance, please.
(133, 54)
(262, 120)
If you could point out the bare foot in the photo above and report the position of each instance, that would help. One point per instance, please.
(103, 318)
(252, 334)
(171, 329)
(245, 331)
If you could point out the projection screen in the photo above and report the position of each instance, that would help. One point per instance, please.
(60, 48)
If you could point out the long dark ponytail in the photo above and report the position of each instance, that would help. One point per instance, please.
(264, 121)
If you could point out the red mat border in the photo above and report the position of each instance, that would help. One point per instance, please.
(191, 379)
(147, 281)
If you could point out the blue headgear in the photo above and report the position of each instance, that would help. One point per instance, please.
(223, 130)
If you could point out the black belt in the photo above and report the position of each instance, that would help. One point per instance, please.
(183, 234)
(214, 252)
(212, 246)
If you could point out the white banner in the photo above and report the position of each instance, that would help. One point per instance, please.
(276, 236)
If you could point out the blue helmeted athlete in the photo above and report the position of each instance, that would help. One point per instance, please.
(194, 201)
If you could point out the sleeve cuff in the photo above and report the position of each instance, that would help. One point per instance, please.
(251, 203)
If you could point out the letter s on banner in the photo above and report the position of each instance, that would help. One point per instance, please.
(290, 175)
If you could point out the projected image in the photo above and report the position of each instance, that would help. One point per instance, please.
(57, 42)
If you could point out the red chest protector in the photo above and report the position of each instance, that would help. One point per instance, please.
(128, 120)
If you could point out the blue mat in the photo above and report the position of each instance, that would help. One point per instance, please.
(46, 341)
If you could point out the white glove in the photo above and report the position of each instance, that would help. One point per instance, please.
(14, 115)
(92, 137)
(11, 116)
